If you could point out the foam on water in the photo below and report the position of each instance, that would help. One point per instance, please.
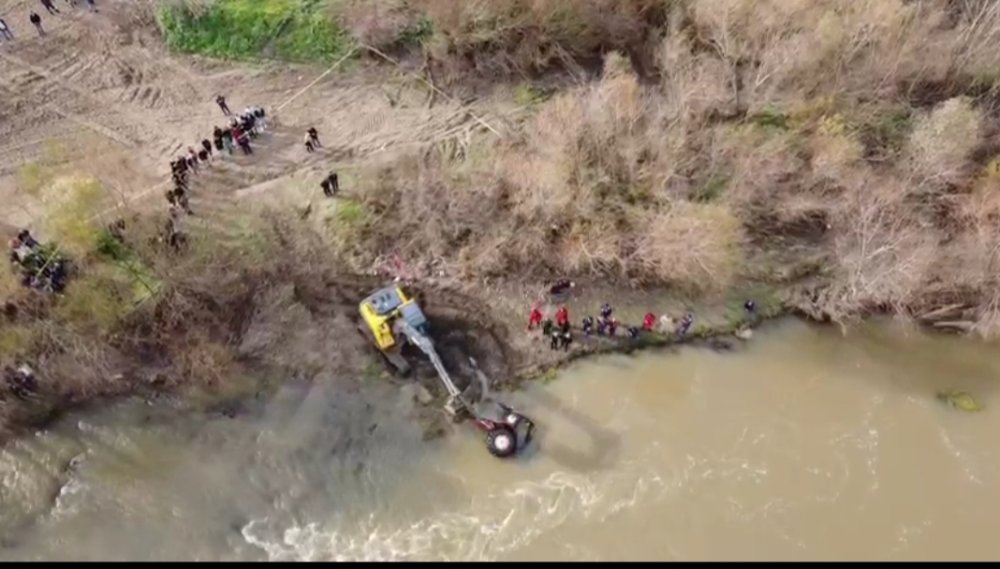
(503, 522)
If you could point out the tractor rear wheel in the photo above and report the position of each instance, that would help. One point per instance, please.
(501, 441)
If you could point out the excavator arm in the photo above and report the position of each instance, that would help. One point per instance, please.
(456, 403)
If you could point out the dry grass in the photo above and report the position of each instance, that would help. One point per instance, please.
(591, 187)
(858, 128)
(942, 142)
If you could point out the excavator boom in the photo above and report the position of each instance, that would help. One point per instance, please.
(455, 402)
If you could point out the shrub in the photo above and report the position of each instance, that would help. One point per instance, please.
(942, 142)
(254, 29)
(695, 246)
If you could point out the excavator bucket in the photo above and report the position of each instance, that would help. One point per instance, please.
(479, 388)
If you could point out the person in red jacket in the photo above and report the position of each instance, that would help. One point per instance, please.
(648, 322)
(562, 317)
(535, 318)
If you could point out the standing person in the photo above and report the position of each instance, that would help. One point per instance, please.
(180, 182)
(313, 135)
(567, 339)
(36, 21)
(192, 160)
(217, 139)
(227, 140)
(334, 183)
(179, 172)
(244, 141)
(5, 30)
(685, 324)
(666, 324)
(182, 201)
(258, 123)
(27, 239)
(221, 101)
(606, 311)
(648, 322)
(50, 6)
(207, 146)
(261, 117)
(562, 317)
(330, 186)
(250, 125)
(534, 317)
(309, 144)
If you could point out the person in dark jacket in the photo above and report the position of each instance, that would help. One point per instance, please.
(221, 101)
(5, 30)
(36, 21)
(50, 6)
(334, 181)
(588, 325)
(313, 135)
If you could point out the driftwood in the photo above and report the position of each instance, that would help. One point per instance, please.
(945, 312)
(956, 325)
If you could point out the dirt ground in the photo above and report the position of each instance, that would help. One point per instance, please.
(104, 83)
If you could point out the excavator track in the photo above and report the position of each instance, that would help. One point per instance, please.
(394, 358)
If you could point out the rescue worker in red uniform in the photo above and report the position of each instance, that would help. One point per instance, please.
(648, 322)
(562, 317)
(535, 318)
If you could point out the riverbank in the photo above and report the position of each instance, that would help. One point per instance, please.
(285, 323)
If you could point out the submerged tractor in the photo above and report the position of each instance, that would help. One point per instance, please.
(391, 319)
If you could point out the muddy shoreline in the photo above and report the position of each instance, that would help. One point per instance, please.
(302, 331)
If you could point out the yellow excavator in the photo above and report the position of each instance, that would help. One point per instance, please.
(390, 318)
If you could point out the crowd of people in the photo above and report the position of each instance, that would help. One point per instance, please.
(38, 266)
(242, 128)
(560, 334)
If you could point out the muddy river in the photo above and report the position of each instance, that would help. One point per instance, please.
(804, 445)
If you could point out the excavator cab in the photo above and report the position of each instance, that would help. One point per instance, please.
(380, 312)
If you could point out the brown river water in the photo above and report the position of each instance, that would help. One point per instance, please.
(804, 444)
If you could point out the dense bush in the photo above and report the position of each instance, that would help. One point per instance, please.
(252, 29)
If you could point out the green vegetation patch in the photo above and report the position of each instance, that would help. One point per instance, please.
(290, 30)
(959, 400)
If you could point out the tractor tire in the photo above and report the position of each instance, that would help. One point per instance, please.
(501, 442)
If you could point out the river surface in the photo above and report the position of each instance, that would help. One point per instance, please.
(805, 444)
